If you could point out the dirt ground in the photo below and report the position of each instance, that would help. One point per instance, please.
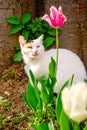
(12, 83)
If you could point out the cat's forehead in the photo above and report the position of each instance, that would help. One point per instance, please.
(36, 41)
(28, 44)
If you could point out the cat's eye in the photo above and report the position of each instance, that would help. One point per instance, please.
(38, 46)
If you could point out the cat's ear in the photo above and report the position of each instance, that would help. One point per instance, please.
(22, 41)
(41, 38)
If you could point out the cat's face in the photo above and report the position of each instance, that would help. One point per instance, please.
(32, 49)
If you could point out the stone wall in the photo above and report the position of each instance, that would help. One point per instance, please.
(74, 31)
(7, 42)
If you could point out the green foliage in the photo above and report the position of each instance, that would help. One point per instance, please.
(25, 18)
(18, 24)
(32, 97)
(11, 73)
(59, 106)
(41, 102)
(44, 126)
(64, 121)
(17, 57)
(13, 20)
(85, 128)
(75, 126)
(52, 68)
(16, 28)
(49, 41)
(47, 110)
(31, 29)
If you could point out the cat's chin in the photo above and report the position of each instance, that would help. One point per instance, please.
(34, 56)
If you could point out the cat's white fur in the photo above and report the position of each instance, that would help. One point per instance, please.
(37, 59)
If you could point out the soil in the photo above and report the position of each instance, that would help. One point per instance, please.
(12, 83)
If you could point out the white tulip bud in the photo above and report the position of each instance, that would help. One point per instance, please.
(74, 100)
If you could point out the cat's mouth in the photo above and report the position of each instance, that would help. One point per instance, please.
(35, 53)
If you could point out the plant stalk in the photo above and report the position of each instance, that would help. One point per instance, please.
(56, 50)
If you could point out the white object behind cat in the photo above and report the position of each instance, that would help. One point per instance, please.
(37, 59)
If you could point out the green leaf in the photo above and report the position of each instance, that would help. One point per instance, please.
(50, 124)
(46, 25)
(16, 28)
(17, 48)
(17, 57)
(25, 33)
(16, 120)
(31, 96)
(52, 68)
(64, 121)
(75, 125)
(26, 101)
(52, 32)
(50, 84)
(41, 29)
(30, 26)
(43, 126)
(32, 79)
(85, 128)
(47, 89)
(59, 31)
(13, 20)
(25, 18)
(58, 100)
(48, 41)
(44, 90)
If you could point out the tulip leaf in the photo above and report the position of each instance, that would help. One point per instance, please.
(75, 126)
(26, 101)
(64, 121)
(32, 78)
(85, 128)
(44, 90)
(43, 126)
(34, 88)
(58, 100)
(31, 97)
(52, 68)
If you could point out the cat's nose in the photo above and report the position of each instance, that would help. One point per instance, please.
(35, 52)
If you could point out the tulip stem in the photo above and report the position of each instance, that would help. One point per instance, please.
(56, 50)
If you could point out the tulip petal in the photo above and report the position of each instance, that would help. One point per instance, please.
(74, 100)
(53, 12)
(47, 19)
(56, 19)
(60, 10)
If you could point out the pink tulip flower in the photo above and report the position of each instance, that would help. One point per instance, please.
(56, 19)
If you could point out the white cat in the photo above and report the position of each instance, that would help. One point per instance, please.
(37, 59)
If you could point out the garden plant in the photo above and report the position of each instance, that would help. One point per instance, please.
(48, 111)
(68, 109)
